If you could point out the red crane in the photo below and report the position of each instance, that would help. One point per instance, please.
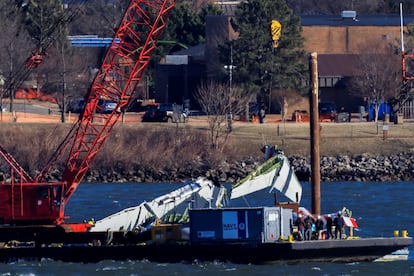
(26, 200)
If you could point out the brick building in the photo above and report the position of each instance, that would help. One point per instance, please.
(337, 40)
(329, 34)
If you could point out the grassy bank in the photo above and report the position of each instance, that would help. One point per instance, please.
(335, 138)
(159, 146)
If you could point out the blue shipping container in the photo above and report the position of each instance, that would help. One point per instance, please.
(261, 224)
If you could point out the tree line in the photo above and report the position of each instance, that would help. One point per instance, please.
(260, 69)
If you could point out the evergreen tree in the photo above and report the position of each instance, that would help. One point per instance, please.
(186, 27)
(392, 6)
(42, 19)
(209, 9)
(259, 67)
(98, 17)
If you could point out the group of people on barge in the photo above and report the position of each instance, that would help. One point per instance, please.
(320, 228)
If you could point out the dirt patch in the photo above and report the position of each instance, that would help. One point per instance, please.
(21, 117)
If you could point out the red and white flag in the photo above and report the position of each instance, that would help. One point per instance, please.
(350, 222)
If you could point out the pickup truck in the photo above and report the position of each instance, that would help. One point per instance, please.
(165, 113)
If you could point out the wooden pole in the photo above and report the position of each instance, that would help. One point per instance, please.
(315, 135)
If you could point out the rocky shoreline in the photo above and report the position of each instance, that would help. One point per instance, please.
(362, 167)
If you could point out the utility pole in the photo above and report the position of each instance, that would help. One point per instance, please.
(315, 135)
(230, 68)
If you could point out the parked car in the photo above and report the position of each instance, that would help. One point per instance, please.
(327, 111)
(155, 114)
(76, 105)
(165, 113)
(106, 106)
(168, 108)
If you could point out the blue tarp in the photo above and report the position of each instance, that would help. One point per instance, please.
(384, 108)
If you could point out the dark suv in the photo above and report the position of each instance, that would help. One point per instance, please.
(155, 114)
(327, 111)
(165, 113)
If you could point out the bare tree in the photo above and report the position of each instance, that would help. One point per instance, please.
(221, 103)
(378, 75)
(285, 99)
(15, 48)
(100, 17)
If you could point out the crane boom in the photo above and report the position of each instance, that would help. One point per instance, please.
(16, 167)
(32, 201)
(122, 68)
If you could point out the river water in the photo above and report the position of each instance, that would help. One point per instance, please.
(380, 208)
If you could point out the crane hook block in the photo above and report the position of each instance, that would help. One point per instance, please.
(34, 60)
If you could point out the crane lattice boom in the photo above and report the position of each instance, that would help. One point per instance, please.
(122, 67)
(34, 201)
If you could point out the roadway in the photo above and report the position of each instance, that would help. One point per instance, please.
(41, 109)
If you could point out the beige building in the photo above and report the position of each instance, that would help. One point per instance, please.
(346, 39)
(337, 40)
